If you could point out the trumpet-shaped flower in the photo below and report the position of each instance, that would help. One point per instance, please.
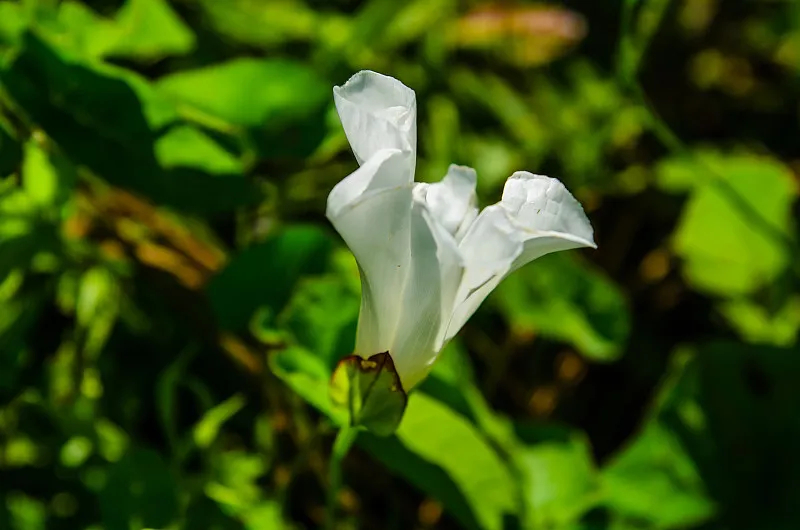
(426, 255)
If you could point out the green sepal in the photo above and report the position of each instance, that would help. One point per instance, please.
(369, 392)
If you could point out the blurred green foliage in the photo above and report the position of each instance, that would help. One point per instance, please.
(172, 300)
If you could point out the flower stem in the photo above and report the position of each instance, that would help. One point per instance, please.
(344, 440)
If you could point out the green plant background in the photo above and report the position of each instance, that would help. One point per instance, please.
(172, 299)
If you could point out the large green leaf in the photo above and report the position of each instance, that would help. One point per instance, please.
(485, 494)
(732, 231)
(13, 21)
(98, 120)
(278, 101)
(436, 449)
(560, 479)
(653, 479)
(565, 299)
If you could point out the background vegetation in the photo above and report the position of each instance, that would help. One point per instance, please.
(172, 298)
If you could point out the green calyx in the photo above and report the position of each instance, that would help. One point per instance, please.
(369, 392)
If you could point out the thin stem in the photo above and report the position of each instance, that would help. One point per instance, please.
(341, 446)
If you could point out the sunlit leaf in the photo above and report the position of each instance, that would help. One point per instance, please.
(434, 435)
(280, 102)
(564, 299)
(13, 21)
(207, 429)
(150, 29)
(25, 512)
(730, 233)
(235, 480)
(40, 178)
(758, 324)
(187, 146)
(75, 452)
(112, 441)
(561, 481)
(653, 479)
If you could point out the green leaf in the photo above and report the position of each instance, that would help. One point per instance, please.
(262, 24)
(207, 429)
(98, 120)
(653, 479)
(96, 308)
(40, 178)
(264, 516)
(139, 489)
(149, 30)
(563, 298)
(369, 392)
(13, 21)
(264, 275)
(235, 479)
(279, 102)
(681, 174)
(76, 451)
(249, 92)
(479, 489)
(26, 512)
(307, 375)
(561, 481)
(81, 30)
(143, 30)
(730, 232)
(112, 441)
(187, 146)
(757, 324)
(322, 316)
(47, 178)
(424, 475)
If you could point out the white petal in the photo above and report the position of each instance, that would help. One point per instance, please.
(374, 220)
(388, 168)
(548, 216)
(451, 201)
(377, 112)
(428, 297)
(536, 216)
(489, 250)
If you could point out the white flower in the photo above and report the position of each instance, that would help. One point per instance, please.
(427, 257)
